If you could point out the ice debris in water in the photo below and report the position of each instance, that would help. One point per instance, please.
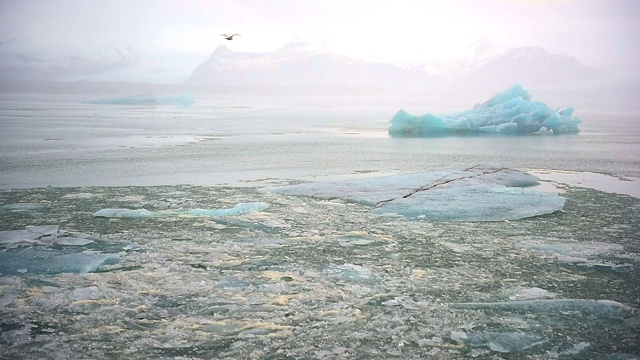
(597, 308)
(22, 206)
(508, 112)
(34, 261)
(501, 342)
(479, 193)
(240, 209)
(146, 99)
(42, 235)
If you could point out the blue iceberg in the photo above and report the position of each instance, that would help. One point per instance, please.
(146, 99)
(479, 193)
(508, 112)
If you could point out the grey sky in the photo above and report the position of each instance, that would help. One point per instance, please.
(147, 39)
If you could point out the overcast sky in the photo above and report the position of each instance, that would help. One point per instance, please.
(165, 39)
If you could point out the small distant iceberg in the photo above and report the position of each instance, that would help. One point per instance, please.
(147, 99)
(509, 112)
(479, 193)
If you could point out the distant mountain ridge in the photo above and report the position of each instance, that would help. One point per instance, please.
(304, 64)
(296, 64)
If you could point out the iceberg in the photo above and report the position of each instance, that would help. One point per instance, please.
(240, 209)
(479, 193)
(508, 112)
(146, 99)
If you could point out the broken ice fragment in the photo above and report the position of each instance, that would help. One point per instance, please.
(52, 262)
(479, 193)
(597, 308)
(72, 241)
(17, 236)
(124, 213)
(22, 206)
(240, 209)
(501, 342)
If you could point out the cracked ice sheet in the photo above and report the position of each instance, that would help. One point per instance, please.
(479, 193)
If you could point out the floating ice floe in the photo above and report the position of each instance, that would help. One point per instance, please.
(501, 342)
(22, 206)
(240, 209)
(598, 308)
(508, 112)
(146, 99)
(34, 261)
(42, 235)
(581, 253)
(479, 193)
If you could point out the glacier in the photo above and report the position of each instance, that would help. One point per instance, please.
(508, 112)
(479, 193)
(184, 99)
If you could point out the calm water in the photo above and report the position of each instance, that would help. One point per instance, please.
(58, 141)
(304, 278)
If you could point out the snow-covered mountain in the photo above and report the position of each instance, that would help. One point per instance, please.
(298, 64)
(529, 66)
(305, 64)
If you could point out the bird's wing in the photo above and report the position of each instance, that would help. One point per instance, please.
(225, 35)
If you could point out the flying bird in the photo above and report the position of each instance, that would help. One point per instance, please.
(228, 37)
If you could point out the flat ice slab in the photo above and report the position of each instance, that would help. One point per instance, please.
(508, 112)
(479, 193)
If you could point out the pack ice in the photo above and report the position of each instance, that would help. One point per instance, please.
(508, 112)
(479, 193)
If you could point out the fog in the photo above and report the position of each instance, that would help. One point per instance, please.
(165, 41)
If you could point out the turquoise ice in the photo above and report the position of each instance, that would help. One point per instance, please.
(479, 193)
(508, 112)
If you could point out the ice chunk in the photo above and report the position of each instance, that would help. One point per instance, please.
(508, 112)
(597, 308)
(475, 194)
(124, 213)
(147, 99)
(32, 261)
(240, 209)
(510, 342)
(17, 236)
(22, 206)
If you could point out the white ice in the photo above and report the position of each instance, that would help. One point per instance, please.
(508, 112)
(240, 209)
(480, 193)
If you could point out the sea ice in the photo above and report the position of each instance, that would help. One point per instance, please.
(508, 112)
(501, 342)
(33, 261)
(479, 193)
(597, 308)
(147, 99)
(240, 209)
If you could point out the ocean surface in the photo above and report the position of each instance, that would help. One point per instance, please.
(301, 277)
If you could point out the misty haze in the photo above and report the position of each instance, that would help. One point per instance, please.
(319, 179)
